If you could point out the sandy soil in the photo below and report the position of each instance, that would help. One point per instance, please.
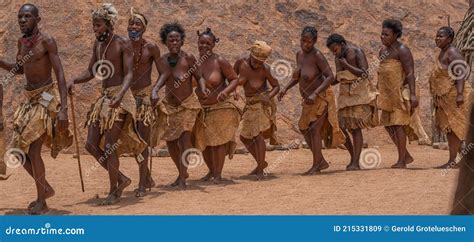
(417, 190)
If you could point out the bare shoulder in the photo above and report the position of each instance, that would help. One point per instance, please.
(189, 56)
(239, 62)
(298, 54)
(453, 51)
(123, 42)
(222, 61)
(151, 46)
(358, 50)
(404, 49)
(163, 59)
(47, 39)
(319, 55)
(266, 67)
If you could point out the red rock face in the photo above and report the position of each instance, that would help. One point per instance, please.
(238, 24)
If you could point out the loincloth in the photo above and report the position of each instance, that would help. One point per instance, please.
(324, 103)
(145, 112)
(448, 116)
(356, 102)
(101, 114)
(216, 125)
(37, 117)
(174, 120)
(394, 97)
(259, 117)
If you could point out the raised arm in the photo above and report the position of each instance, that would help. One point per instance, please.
(14, 68)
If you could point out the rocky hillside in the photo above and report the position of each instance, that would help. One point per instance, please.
(238, 24)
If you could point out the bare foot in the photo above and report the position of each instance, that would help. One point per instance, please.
(121, 186)
(352, 167)
(207, 177)
(264, 165)
(458, 164)
(140, 192)
(313, 170)
(150, 184)
(447, 165)
(49, 192)
(317, 168)
(110, 200)
(39, 208)
(323, 165)
(180, 183)
(218, 180)
(399, 165)
(408, 159)
(254, 172)
(260, 175)
(4, 177)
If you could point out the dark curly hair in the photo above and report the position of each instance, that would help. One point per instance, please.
(335, 38)
(395, 25)
(208, 32)
(449, 31)
(170, 27)
(311, 31)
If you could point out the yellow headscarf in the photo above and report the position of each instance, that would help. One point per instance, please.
(260, 50)
(136, 14)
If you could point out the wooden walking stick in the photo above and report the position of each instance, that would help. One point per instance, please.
(150, 154)
(71, 100)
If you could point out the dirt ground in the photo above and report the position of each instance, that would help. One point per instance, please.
(417, 190)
